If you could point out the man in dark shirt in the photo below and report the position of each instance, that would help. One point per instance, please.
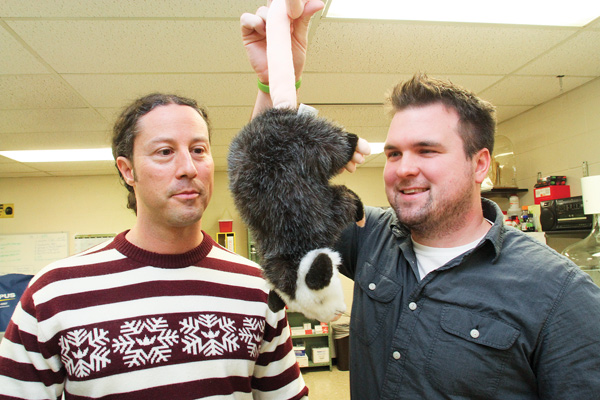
(448, 302)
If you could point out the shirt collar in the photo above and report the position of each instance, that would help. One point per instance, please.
(495, 235)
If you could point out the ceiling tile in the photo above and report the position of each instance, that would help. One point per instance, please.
(529, 90)
(37, 91)
(10, 168)
(429, 47)
(504, 113)
(579, 56)
(54, 140)
(108, 90)
(123, 46)
(351, 88)
(128, 9)
(20, 61)
(47, 120)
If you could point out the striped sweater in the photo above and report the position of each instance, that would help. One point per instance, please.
(118, 322)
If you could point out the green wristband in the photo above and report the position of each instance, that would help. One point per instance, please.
(265, 88)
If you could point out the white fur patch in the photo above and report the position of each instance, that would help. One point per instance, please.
(324, 304)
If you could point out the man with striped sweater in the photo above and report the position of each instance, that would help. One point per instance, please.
(161, 311)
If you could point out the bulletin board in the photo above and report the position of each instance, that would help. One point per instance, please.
(30, 252)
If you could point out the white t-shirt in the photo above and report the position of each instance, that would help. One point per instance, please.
(431, 258)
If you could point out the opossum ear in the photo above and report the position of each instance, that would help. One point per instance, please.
(275, 302)
(320, 272)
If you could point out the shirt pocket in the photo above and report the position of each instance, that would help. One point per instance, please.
(469, 353)
(372, 303)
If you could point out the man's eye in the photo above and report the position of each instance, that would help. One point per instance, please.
(165, 152)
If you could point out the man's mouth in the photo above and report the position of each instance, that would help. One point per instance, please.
(413, 191)
(187, 194)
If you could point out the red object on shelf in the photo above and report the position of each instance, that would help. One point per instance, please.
(225, 225)
(551, 193)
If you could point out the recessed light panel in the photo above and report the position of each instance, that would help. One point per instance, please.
(104, 154)
(523, 12)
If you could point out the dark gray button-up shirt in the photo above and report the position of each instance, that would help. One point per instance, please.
(510, 319)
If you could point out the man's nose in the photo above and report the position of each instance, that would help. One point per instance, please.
(407, 166)
(186, 166)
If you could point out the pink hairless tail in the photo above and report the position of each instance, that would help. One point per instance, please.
(279, 51)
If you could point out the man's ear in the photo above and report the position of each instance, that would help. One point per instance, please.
(126, 168)
(482, 160)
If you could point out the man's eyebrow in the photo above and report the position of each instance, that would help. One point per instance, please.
(427, 143)
(423, 143)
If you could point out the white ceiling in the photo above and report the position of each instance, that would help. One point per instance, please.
(67, 67)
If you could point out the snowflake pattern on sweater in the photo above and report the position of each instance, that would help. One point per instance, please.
(151, 341)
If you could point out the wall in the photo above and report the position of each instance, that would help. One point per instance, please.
(89, 204)
(556, 137)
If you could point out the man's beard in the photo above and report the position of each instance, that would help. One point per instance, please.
(438, 217)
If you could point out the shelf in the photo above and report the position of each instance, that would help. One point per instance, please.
(503, 191)
(314, 340)
(227, 240)
(309, 336)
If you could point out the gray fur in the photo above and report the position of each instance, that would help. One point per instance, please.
(280, 165)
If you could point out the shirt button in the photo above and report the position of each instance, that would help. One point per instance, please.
(474, 333)
(412, 305)
(396, 355)
(372, 286)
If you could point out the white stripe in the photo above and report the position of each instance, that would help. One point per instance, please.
(220, 254)
(145, 274)
(285, 392)
(29, 390)
(80, 260)
(274, 368)
(150, 306)
(26, 322)
(18, 353)
(160, 376)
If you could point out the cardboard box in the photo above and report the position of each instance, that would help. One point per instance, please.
(320, 354)
(302, 361)
(551, 193)
(300, 350)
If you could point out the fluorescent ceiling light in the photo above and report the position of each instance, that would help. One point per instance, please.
(104, 154)
(520, 12)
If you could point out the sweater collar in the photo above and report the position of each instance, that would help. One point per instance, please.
(150, 258)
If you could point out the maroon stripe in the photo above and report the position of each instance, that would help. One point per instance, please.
(271, 332)
(268, 384)
(28, 373)
(154, 289)
(280, 352)
(184, 391)
(30, 342)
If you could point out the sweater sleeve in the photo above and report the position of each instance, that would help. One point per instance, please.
(27, 369)
(276, 373)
